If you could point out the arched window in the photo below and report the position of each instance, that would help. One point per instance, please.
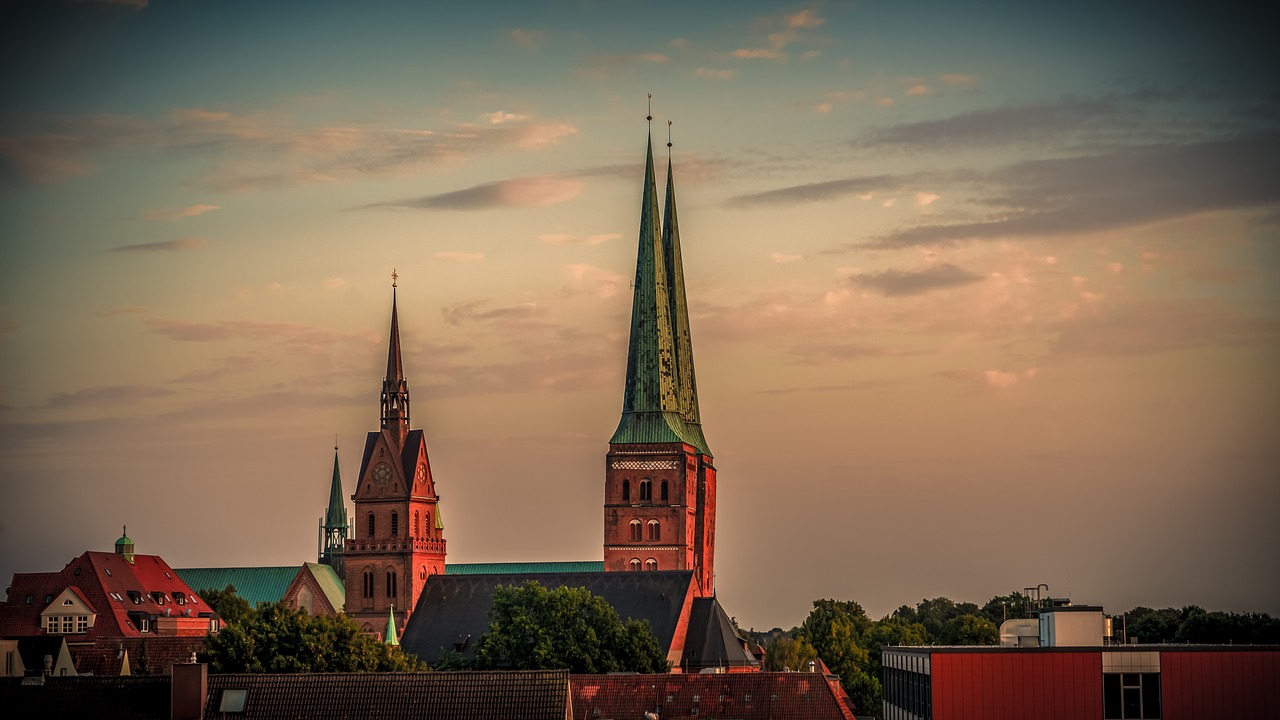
(368, 584)
(371, 525)
(391, 583)
(417, 528)
(664, 491)
(650, 564)
(635, 564)
(636, 532)
(646, 490)
(655, 533)
(395, 524)
(626, 491)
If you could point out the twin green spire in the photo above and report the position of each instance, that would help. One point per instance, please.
(660, 403)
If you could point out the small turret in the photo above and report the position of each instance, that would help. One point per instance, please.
(124, 546)
(391, 637)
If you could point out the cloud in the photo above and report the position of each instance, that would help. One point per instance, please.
(125, 310)
(562, 239)
(895, 283)
(178, 213)
(757, 53)
(230, 365)
(918, 90)
(1162, 325)
(600, 65)
(468, 312)
(162, 246)
(598, 281)
(956, 79)
(113, 395)
(1005, 379)
(815, 192)
(781, 258)
(460, 256)
(1125, 187)
(926, 198)
(517, 192)
(499, 117)
(527, 39)
(295, 334)
(334, 283)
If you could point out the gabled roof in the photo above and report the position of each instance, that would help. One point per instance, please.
(101, 698)
(255, 584)
(745, 696)
(332, 585)
(34, 649)
(453, 609)
(522, 695)
(711, 641)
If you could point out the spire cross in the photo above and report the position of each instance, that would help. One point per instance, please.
(649, 117)
(668, 139)
(394, 277)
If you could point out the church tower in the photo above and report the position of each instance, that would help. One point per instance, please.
(660, 477)
(397, 538)
(334, 529)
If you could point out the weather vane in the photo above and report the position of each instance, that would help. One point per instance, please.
(394, 276)
(649, 117)
(668, 137)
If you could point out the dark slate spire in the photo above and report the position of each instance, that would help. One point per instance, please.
(334, 526)
(686, 385)
(395, 389)
(650, 408)
(336, 516)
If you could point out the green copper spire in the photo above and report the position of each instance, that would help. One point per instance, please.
(334, 527)
(686, 385)
(336, 517)
(391, 638)
(650, 409)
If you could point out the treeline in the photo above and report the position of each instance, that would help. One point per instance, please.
(849, 642)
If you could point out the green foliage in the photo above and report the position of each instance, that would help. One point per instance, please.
(838, 630)
(144, 660)
(1195, 625)
(532, 627)
(278, 639)
(785, 653)
(229, 606)
(969, 629)
(1007, 607)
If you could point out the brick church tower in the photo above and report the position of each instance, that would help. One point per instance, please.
(660, 477)
(397, 537)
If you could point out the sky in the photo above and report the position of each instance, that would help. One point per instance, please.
(983, 295)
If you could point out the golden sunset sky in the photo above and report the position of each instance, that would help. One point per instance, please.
(983, 295)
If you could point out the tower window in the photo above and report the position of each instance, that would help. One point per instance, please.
(395, 524)
(368, 584)
(391, 583)
(636, 532)
(372, 525)
(646, 490)
(417, 528)
(650, 564)
(664, 491)
(626, 491)
(655, 532)
(635, 564)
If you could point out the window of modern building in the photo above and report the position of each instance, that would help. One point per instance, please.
(636, 532)
(650, 564)
(655, 533)
(1130, 695)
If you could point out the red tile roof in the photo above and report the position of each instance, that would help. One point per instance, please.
(748, 696)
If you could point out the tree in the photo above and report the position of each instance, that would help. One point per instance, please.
(278, 639)
(837, 630)
(969, 629)
(786, 653)
(532, 627)
(226, 603)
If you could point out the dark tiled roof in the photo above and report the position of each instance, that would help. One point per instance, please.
(528, 695)
(104, 657)
(34, 649)
(711, 641)
(504, 568)
(102, 698)
(453, 607)
(746, 696)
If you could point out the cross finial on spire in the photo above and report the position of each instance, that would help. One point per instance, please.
(394, 277)
(668, 138)
(649, 117)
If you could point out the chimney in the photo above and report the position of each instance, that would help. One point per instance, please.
(189, 689)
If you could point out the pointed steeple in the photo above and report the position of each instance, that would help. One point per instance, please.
(395, 389)
(650, 408)
(336, 516)
(686, 385)
(334, 526)
(391, 637)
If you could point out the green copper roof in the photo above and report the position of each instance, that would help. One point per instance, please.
(678, 311)
(255, 584)
(336, 516)
(517, 568)
(124, 537)
(391, 638)
(332, 585)
(650, 408)
(439, 518)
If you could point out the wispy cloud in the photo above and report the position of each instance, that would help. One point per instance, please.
(516, 192)
(598, 281)
(779, 40)
(178, 213)
(563, 239)
(527, 39)
(113, 395)
(782, 258)
(469, 312)
(162, 246)
(819, 191)
(455, 256)
(916, 282)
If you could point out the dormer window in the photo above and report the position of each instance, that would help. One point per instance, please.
(158, 597)
(180, 597)
(135, 596)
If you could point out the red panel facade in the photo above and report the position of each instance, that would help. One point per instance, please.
(1017, 686)
(1208, 685)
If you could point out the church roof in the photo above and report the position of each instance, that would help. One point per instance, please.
(254, 584)
(711, 641)
(503, 568)
(686, 385)
(336, 515)
(452, 611)
(332, 585)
